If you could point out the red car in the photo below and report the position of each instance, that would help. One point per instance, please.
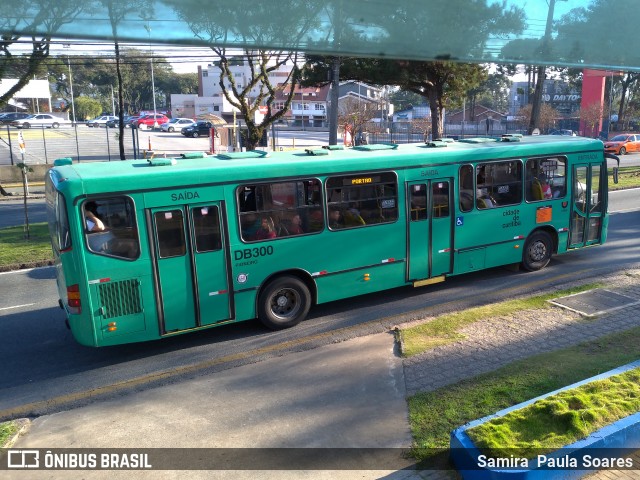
(150, 121)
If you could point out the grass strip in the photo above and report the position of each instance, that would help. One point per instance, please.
(433, 415)
(7, 430)
(628, 177)
(444, 329)
(560, 419)
(15, 249)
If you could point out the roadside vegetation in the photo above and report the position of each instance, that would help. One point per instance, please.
(7, 430)
(560, 419)
(628, 177)
(433, 415)
(18, 252)
(445, 328)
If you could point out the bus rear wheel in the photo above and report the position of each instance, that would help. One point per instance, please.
(283, 303)
(537, 251)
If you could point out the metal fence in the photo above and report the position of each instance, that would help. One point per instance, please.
(44, 145)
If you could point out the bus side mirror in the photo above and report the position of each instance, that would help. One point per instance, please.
(615, 174)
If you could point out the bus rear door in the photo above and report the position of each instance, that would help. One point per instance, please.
(430, 228)
(587, 205)
(191, 266)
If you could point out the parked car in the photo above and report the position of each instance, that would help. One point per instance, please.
(623, 143)
(115, 123)
(149, 121)
(176, 124)
(10, 117)
(198, 129)
(101, 121)
(40, 120)
(568, 133)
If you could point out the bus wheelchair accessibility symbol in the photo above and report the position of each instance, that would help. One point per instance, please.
(459, 221)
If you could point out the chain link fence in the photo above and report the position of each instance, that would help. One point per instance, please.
(44, 145)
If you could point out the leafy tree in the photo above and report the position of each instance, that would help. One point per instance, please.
(27, 16)
(117, 11)
(403, 99)
(87, 108)
(441, 84)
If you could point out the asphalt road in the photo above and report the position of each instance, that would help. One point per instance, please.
(42, 361)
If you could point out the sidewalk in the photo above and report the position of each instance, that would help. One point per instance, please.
(16, 191)
(345, 395)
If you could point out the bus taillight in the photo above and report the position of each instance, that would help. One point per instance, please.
(73, 299)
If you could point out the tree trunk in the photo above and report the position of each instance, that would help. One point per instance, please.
(334, 96)
(436, 115)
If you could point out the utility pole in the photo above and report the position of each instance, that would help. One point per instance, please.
(537, 95)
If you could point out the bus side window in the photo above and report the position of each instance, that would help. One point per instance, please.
(545, 178)
(466, 188)
(170, 231)
(118, 236)
(206, 226)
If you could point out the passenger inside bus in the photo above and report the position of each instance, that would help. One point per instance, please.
(296, 226)
(250, 224)
(94, 224)
(335, 219)
(266, 229)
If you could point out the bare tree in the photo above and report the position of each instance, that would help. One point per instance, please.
(255, 26)
(356, 113)
(546, 118)
(592, 116)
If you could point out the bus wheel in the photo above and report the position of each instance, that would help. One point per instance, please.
(283, 302)
(537, 251)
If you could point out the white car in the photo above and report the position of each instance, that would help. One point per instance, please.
(176, 124)
(40, 120)
(100, 121)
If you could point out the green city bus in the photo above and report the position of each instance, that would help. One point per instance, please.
(205, 240)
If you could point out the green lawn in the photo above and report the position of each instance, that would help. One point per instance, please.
(629, 177)
(434, 415)
(561, 419)
(16, 250)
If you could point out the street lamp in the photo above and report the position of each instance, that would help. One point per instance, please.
(73, 108)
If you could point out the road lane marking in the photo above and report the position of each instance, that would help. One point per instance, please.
(17, 306)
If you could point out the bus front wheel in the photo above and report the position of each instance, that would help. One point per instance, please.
(283, 302)
(537, 251)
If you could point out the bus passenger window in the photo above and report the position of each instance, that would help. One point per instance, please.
(362, 200)
(440, 195)
(498, 184)
(545, 179)
(206, 227)
(170, 233)
(466, 188)
(418, 202)
(279, 209)
(111, 228)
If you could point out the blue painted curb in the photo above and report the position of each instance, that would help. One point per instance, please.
(571, 461)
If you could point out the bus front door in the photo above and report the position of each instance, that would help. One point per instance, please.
(191, 266)
(430, 228)
(587, 205)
